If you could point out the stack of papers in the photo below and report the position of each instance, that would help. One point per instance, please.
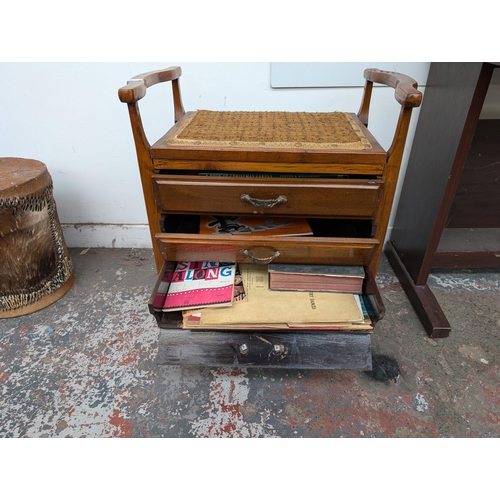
(270, 309)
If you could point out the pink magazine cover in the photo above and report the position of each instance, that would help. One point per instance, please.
(200, 284)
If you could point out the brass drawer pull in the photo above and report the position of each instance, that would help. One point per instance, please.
(261, 260)
(280, 200)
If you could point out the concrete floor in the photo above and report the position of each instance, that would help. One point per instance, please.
(87, 367)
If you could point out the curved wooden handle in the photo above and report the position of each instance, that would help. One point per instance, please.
(136, 86)
(280, 200)
(261, 260)
(406, 88)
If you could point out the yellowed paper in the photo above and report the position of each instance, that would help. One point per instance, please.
(264, 306)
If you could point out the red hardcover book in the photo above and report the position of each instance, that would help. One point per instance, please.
(322, 278)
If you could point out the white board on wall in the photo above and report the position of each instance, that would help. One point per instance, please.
(335, 74)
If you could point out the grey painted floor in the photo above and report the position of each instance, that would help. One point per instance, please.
(87, 366)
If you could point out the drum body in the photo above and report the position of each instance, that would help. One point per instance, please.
(35, 267)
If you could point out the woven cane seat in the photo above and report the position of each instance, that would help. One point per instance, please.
(269, 129)
(279, 135)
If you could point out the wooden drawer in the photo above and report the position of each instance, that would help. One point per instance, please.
(303, 350)
(272, 348)
(352, 198)
(310, 250)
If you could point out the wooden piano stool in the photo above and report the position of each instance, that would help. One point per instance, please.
(325, 167)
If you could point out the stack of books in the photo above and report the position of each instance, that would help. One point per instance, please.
(228, 296)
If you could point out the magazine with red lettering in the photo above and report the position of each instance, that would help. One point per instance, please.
(200, 284)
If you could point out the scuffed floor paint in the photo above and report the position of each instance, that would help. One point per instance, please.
(223, 417)
(481, 283)
(74, 378)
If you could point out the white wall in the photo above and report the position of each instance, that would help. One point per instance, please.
(68, 116)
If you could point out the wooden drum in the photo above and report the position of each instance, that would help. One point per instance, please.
(35, 267)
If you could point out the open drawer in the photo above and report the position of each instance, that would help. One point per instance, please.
(181, 241)
(307, 349)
